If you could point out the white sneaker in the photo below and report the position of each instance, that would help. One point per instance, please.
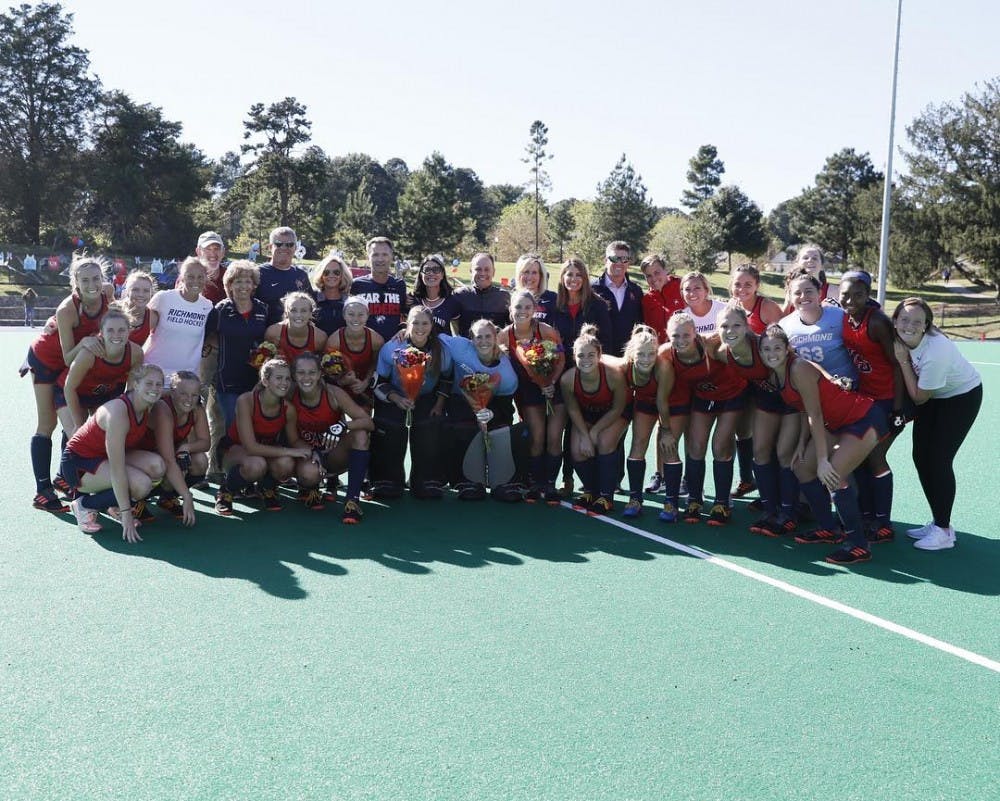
(86, 519)
(923, 531)
(937, 540)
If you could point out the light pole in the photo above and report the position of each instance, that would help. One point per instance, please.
(883, 255)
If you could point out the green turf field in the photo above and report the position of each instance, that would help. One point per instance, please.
(457, 651)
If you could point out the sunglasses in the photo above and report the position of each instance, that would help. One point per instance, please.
(283, 244)
(332, 272)
(619, 259)
(430, 270)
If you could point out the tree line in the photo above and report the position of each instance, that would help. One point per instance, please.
(78, 161)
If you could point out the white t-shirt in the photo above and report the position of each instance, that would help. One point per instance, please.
(705, 324)
(941, 369)
(176, 342)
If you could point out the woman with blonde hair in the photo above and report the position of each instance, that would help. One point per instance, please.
(331, 280)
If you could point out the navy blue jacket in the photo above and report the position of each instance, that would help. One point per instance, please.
(623, 319)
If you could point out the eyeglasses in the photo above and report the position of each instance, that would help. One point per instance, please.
(432, 270)
(618, 259)
(283, 244)
(332, 272)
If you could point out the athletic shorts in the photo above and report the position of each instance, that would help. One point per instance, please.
(42, 373)
(771, 402)
(88, 402)
(737, 404)
(530, 394)
(73, 467)
(875, 420)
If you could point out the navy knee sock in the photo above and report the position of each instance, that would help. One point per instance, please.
(357, 467)
(607, 474)
(553, 461)
(636, 476)
(234, 479)
(866, 490)
(694, 469)
(41, 461)
(767, 485)
(587, 471)
(846, 500)
(789, 484)
(536, 469)
(744, 452)
(883, 498)
(819, 502)
(672, 481)
(723, 474)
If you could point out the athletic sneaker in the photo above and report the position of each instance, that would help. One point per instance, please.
(669, 513)
(849, 556)
(584, 501)
(171, 502)
(552, 496)
(63, 486)
(766, 526)
(881, 534)
(270, 498)
(534, 494)
(313, 500)
(633, 508)
(719, 515)
(938, 540)
(602, 506)
(352, 513)
(693, 512)
(788, 524)
(386, 490)
(821, 535)
(86, 519)
(655, 483)
(224, 502)
(756, 505)
(142, 513)
(923, 531)
(47, 501)
(744, 488)
(567, 488)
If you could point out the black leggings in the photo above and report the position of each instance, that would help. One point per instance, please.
(938, 432)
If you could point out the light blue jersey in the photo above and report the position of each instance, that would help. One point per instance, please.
(822, 342)
(467, 361)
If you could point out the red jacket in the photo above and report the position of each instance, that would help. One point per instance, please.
(657, 307)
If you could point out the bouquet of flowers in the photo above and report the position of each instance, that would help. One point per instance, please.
(478, 391)
(541, 359)
(411, 363)
(263, 352)
(334, 365)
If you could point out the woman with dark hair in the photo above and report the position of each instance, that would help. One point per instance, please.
(331, 282)
(339, 442)
(360, 345)
(839, 431)
(433, 291)
(577, 305)
(809, 260)
(402, 421)
(948, 392)
(816, 329)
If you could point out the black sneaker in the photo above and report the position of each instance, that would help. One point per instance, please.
(881, 534)
(269, 496)
(47, 501)
(767, 526)
(820, 535)
(171, 502)
(744, 488)
(552, 496)
(142, 513)
(352, 513)
(655, 483)
(692, 514)
(719, 515)
(533, 495)
(313, 499)
(584, 501)
(849, 556)
(62, 485)
(224, 502)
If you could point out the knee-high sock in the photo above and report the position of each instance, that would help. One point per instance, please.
(866, 490)
(672, 481)
(723, 473)
(234, 479)
(536, 469)
(694, 469)
(846, 500)
(587, 471)
(553, 462)
(99, 500)
(41, 461)
(744, 452)
(607, 474)
(636, 476)
(883, 498)
(789, 484)
(767, 485)
(819, 502)
(357, 466)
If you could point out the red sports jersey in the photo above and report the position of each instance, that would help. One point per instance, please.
(89, 440)
(315, 420)
(875, 371)
(757, 325)
(140, 333)
(596, 404)
(292, 352)
(266, 429)
(840, 407)
(361, 360)
(181, 430)
(708, 378)
(644, 395)
(756, 371)
(48, 349)
(104, 378)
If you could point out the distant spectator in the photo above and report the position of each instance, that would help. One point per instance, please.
(28, 297)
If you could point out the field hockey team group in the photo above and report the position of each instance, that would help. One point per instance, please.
(311, 375)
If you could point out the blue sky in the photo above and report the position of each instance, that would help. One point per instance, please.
(775, 86)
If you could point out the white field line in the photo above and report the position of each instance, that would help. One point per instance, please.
(829, 603)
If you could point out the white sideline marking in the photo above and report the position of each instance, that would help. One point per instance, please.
(888, 625)
(987, 364)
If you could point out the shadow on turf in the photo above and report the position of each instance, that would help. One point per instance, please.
(265, 548)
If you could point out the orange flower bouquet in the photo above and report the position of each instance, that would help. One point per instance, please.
(411, 363)
(478, 390)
